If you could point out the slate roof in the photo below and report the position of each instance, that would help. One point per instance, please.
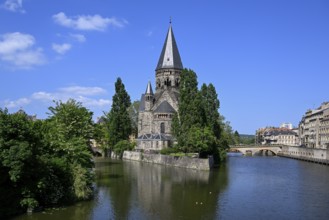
(142, 104)
(149, 89)
(170, 57)
(164, 107)
(276, 132)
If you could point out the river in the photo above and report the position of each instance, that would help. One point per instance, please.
(244, 188)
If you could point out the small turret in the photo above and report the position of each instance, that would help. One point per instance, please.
(149, 97)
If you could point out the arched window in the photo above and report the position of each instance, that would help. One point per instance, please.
(162, 128)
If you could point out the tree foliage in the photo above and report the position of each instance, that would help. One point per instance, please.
(44, 163)
(133, 114)
(117, 121)
(197, 125)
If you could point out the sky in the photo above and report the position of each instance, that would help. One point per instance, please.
(268, 59)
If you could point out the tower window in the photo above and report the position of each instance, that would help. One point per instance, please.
(162, 128)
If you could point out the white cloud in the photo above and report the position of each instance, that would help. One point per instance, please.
(85, 95)
(14, 5)
(61, 48)
(17, 103)
(78, 37)
(44, 96)
(79, 90)
(94, 102)
(88, 22)
(18, 50)
(90, 97)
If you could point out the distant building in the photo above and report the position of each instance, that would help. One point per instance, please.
(314, 127)
(286, 125)
(30, 117)
(276, 136)
(157, 109)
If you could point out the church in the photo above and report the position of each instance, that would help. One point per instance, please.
(157, 108)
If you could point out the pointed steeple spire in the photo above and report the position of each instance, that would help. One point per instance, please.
(149, 90)
(170, 57)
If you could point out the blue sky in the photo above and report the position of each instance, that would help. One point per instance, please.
(268, 59)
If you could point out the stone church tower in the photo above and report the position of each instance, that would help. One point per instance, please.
(157, 109)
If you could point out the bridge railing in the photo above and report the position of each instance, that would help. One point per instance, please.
(254, 146)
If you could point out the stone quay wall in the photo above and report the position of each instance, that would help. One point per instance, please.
(307, 154)
(185, 162)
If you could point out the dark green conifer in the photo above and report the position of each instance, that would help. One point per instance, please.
(118, 121)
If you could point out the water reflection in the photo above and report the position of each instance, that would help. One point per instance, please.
(147, 191)
(245, 188)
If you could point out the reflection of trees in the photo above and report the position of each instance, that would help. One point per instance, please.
(195, 199)
(171, 193)
(111, 178)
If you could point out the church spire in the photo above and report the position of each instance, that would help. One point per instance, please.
(170, 57)
(149, 90)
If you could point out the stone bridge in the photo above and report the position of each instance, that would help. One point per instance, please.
(253, 149)
(97, 151)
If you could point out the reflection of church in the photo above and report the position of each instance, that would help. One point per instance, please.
(157, 109)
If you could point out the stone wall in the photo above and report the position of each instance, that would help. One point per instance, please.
(305, 152)
(186, 162)
(320, 156)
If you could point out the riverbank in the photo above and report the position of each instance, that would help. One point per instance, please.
(320, 156)
(184, 162)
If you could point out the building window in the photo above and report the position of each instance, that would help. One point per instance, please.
(162, 128)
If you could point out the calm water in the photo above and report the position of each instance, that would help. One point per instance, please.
(245, 188)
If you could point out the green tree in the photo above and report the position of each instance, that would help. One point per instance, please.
(118, 122)
(70, 129)
(18, 163)
(121, 146)
(190, 112)
(197, 125)
(133, 114)
(237, 137)
(201, 140)
(210, 103)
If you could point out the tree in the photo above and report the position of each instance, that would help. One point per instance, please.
(201, 140)
(237, 137)
(210, 105)
(197, 124)
(121, 146)
(70, 129)
(19, 167)
(133, 114)
(190, 112)
(118, 121)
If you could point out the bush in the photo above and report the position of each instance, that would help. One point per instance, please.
(167, 151)
(121, 146)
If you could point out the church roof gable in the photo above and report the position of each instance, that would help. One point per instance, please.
(164, 107)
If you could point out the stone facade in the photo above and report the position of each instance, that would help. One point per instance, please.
(314, 127)
(157, 109)
(276, 136)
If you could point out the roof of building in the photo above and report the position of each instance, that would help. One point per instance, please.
(279, 131)
(170, 57)
(142, 104)
(164, 107)
(149, 89)
(153, 137)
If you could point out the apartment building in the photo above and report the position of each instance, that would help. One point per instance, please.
(314, 127)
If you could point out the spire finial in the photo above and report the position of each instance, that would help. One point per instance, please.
(170, 20)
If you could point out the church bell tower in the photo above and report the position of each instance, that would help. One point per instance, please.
(169, 65)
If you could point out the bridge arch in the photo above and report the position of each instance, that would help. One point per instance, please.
(264, 150)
